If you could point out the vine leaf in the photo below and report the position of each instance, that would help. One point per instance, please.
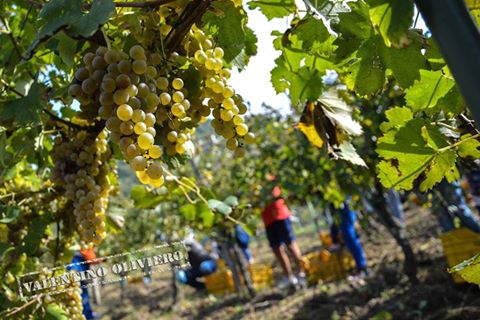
(8, 214)
(441, 166)
(219, 206)
(347, 152)
(397, 59)
(35, 234)
(68, 15)
(469, 148)
(274, 8)
(469, 269)
(393, 18)
(55, 312)
(228, 26)
(25, 110)
(426, 92)
(367, 75)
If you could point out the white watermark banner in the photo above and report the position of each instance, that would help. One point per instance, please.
(103, 270)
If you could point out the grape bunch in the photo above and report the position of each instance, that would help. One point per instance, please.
(147, 109)
(81, 168)
(227, 107)
(69, 298)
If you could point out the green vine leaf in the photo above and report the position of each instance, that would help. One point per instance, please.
(69, 16)
(26, 110)
(393, 18)
(274, 8)
(426, 92)
(227, 23)
(469, 148)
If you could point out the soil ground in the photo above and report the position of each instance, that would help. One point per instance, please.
(386, 295)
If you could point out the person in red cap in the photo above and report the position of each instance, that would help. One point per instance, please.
(278, 225)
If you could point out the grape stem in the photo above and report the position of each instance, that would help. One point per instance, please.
(456, 144)
(70, 124)
(18, 309)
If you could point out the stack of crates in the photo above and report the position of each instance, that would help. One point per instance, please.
(261, 275)
(328, 266)
(220, 282)
(459, 245)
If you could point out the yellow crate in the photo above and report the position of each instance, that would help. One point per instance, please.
(261, 275)
(459, 245)
(326, 239)
(322, 266)
(220, 282)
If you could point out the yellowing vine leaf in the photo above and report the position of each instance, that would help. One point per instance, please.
(311, 133)
(469, 269)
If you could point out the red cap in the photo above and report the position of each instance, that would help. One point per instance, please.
(276, 192)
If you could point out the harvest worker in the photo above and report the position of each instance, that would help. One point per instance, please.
(242, 238)
(202, 264)
(80, 264)
(349, 236)
(448, 203)
(276, 217)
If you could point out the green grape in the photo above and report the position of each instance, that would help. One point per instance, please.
(124, 67)
(89, 86)
(162, 83)
(145, 140)
(99, 63)
(155, 171)
(228, 103)
(122, 81)
(143, 90)
(140, 128)
(155, 152)
(121, 97)
(113, 124)
(172, 136)
(108, 85)
(150, 119)
(152, 100)
(111, 56)
(178, 96)
(138, 116)
(126, 128)
(139, 66)
(226, 115)
(237, 120)
(228, 92)
(218, 52)
(137, 53)
(82, 74)
(165, 98)
(177, 83)
(241, 129)
(124, 112)
(180, 148)
(232, 143)
(178, 110)
(249, 138)
(139, 163)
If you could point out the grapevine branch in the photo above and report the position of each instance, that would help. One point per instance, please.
(192, 13)
(65, 122)
(134, 4)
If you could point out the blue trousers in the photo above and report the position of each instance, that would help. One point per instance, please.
(453, 197)
(350, 238)
(206, 267)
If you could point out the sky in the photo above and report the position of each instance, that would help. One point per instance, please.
(253, 83)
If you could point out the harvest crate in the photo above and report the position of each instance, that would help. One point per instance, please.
(220, 282)
(459, 245)
(262, 275)
(328, 266)
(326, 239)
